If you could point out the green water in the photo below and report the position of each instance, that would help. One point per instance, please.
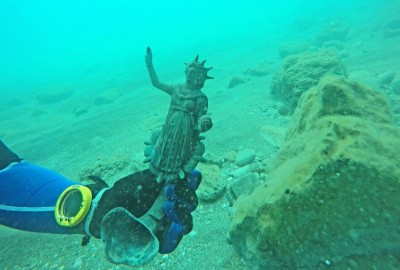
(84, 42)
(76, 96)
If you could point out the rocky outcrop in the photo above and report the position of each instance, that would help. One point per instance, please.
(332, 194)
(303, 71)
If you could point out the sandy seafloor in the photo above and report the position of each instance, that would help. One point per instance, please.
(54, 137)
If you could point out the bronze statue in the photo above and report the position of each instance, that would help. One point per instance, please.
(177, 147)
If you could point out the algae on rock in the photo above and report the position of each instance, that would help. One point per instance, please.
(333, 190)
(301, 72)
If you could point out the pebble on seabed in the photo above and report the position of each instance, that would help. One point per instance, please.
(193, 233)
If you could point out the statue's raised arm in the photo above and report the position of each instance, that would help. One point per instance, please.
(153, 76)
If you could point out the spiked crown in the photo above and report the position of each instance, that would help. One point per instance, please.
(198, 66)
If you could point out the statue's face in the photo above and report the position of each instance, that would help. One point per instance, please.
(195, 77)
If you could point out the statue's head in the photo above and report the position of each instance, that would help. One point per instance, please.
(196, 73)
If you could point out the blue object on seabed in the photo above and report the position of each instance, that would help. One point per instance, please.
(28, 195)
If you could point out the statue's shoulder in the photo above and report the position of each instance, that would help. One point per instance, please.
(177, 88)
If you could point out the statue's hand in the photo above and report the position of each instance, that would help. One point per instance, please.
(149, 57)
(204, 123)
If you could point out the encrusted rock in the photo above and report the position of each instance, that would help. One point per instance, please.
(303, 71)
(104, 170)
(273, 134)
(365, 77)
(333, 190)
(212, 185)
(243, 185)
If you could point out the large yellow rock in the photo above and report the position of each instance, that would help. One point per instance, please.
(333, 194)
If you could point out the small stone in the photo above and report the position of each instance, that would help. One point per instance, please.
(235, 81)
(282, 109)
(16, 102)
(33, 265)
(244, 157)
(79, 110)
(230, 156)
(387, 77)
(392, 29)
(240, 171)
(396, 84)
(54, 94)
(107, 97)
(148, 150)
(77, 263)
(259, 71)
(353, 264)
(193, 234)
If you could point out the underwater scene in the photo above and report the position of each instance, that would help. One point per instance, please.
(121, 147)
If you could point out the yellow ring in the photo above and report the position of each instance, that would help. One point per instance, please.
(67, 221)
